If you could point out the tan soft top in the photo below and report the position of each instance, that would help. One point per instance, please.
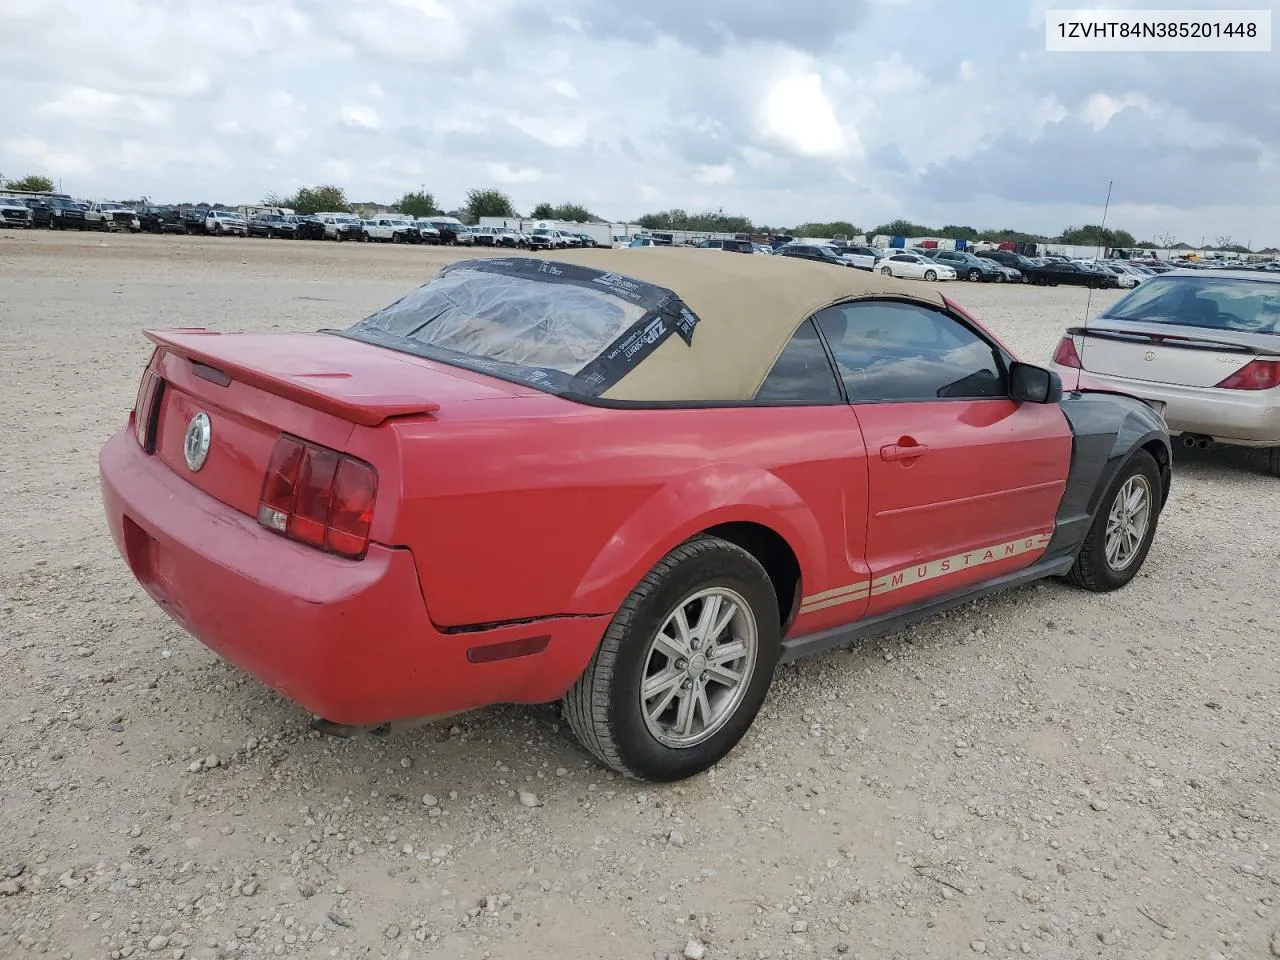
(747, 306)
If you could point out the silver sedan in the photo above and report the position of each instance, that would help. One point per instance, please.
(1203, 348)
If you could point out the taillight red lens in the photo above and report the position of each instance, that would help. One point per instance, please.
(319, 497)
(1065, 355)
(145, 407)
(1254, 375)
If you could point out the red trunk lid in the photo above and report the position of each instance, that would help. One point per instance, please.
(319, 387)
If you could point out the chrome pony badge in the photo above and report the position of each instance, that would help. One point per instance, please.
(195, 447)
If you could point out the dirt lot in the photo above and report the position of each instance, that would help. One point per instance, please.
(1047, 773)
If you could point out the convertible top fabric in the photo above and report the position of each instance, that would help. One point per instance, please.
(747, 307)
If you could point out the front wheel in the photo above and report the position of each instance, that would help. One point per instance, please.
(1121, 534)
(931, 274)
(975, 275)
(683, 668)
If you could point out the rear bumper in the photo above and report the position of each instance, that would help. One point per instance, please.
(1240, 417)
(350, 641)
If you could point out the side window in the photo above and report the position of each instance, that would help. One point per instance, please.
(902, 258)
(802, 373)
(889, 351)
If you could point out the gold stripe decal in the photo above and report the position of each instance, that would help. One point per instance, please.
(919, 573)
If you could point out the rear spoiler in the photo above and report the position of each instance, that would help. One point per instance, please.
(334, 396)
(1171, 339)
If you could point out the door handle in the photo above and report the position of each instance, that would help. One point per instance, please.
(895, 452)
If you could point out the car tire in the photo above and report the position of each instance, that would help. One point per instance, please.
(974, 275)
(604, 708)
(931, 275)
(1095, 569)
(217, 229)
(1000, 278)
(886, 271)
(1273, 461)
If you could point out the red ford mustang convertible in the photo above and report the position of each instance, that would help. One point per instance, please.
(634, 482)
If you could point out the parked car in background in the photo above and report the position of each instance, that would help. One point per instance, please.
(272, 225)
(1203, 347)
(1008, 258)
(860, 255)
(15, 214)
(58, 213)
(427, 232)
(194, 219)
(341, 226)
(544, 238)
(391, 230)
(821, 252)
(112, 216)
(634, 485)
(1007, 274)
(306, 226)
(225, 223)
(161, 219)
(967, 265)
(638, 242)
(452, 229)
(507, 237)
(912, 266)
(484, 236)
(1056, 272)
(734, 246)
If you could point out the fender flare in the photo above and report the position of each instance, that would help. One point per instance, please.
(707, 497)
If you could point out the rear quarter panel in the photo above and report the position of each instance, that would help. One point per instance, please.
(535, 506)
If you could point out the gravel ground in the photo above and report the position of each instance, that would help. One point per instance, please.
(1047, 773)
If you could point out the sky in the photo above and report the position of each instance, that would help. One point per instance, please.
(937, 111)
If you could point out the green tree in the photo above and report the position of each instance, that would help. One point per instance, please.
(834, 228)
(571, 212)
(417, 204)
(33, 182)
(1007, 235)
(953, 232)
(1094, 235)
(488, 203)
(709, 222)
(325, 197)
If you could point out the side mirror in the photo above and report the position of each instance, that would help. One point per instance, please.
(1033, 384)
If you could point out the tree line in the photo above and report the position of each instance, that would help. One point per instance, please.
(490, 202)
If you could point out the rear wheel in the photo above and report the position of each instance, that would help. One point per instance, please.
(683, 668)
(1273, 461)
(886, 271)
(1123, 529)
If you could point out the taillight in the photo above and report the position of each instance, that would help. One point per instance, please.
(146, 409)
(319, 497)
(1254, 375)
(1065, 355)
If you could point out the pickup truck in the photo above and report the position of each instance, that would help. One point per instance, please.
(391, 229)
(864, 258)
(225, 223)
(14, 213)
(161, 220)
(341, 226)
(112, 216)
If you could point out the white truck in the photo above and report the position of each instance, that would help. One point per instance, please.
(391, 230)
(112, 216)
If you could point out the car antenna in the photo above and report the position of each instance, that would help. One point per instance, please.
(1102, 239)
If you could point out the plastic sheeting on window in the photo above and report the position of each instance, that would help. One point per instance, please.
(509, 319)
(564, 328)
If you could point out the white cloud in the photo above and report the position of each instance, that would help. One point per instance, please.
(360, 115)
(1100, 108)
(505, 174)
(797, 113)
(564, 88)
(715, 174)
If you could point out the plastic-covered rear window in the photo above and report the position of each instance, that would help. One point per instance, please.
(565, 328)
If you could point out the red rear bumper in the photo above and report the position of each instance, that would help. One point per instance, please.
(350, 641)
